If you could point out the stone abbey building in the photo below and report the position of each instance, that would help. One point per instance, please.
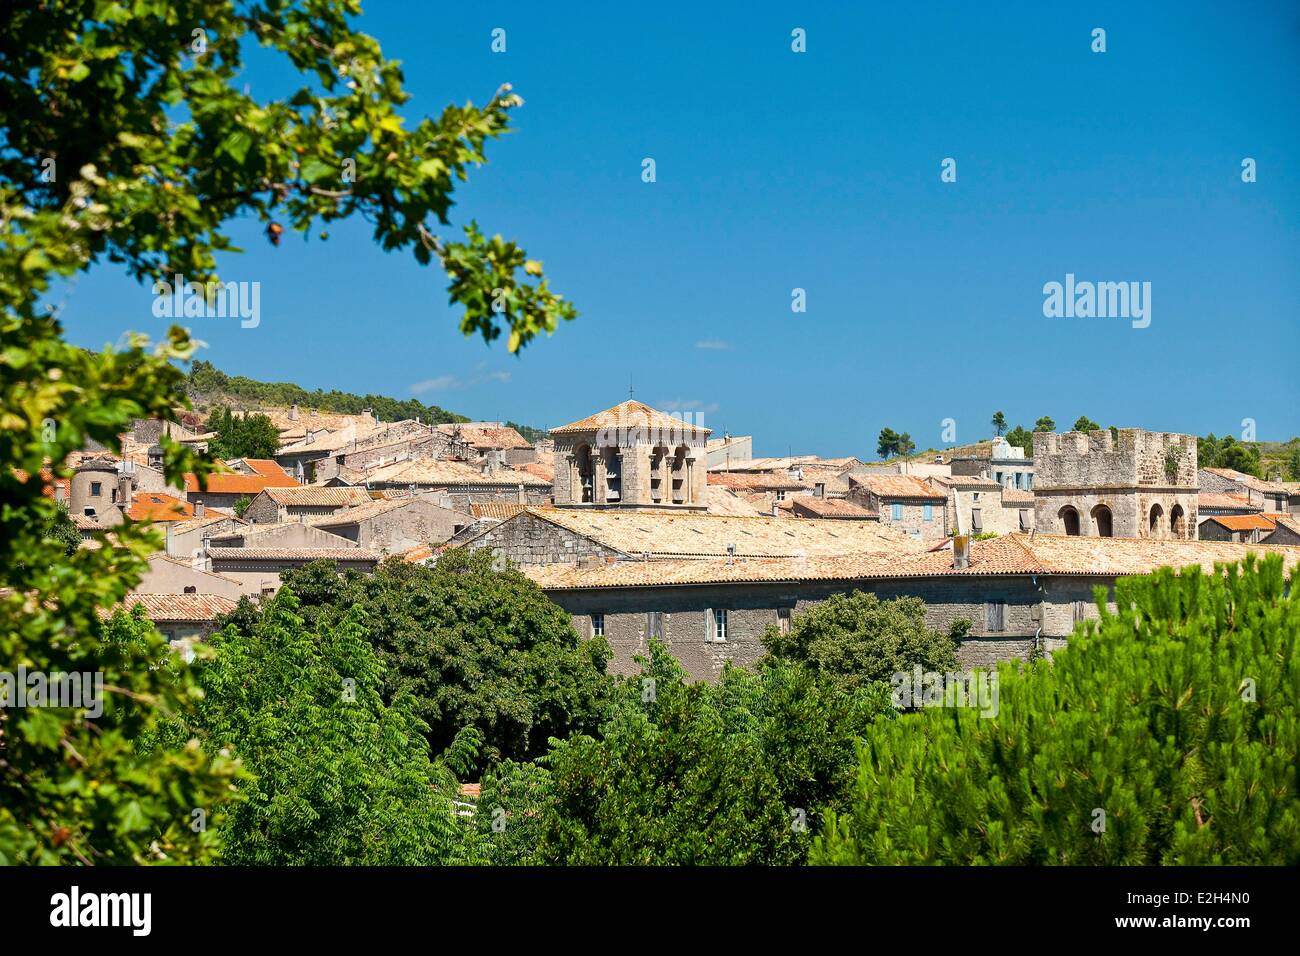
(631, 456)
(1130, 484)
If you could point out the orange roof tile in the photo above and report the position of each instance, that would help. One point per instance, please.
(630, 415)
(232, 484)
(156, 506)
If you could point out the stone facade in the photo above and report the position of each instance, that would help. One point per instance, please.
(526, 539)
(1040, 614)
(631, 456)
(1137, 485)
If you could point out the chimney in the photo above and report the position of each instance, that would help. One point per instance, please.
(124, 484)
(199, 509)
(60, 494)
(774, 510)
(293, 412)
(960, 552)
(312, 413)
(523, 499)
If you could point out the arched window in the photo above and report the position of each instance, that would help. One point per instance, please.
(1069, 520)
(1101, 520)
(1178, 521)
(582, 458)
(657, 457)
(679, 475)
(1157, 515)
(613, 490)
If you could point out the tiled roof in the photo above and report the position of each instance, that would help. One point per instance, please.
(212, 517)
(1017, 496)
(751, 481)
(316, 495)
(1242, 522)
(538, 469)
(486, 435)
(1013, 554)
(888, 487)
(829, 508)
(435, 472)
(179, 607)
(371, 509)
(156, 506)
(792, 461)
(421, 552)
(232, 484)
(964, 482)
(268, 467)
(1209, 499)
(294, 554)
(692, 535)
(724, 501)
(632, 414)
(501, 510)
(1248, 481)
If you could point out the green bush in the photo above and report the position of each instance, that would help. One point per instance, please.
(1174, 716)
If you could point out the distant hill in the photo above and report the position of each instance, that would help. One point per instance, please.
(208, 386)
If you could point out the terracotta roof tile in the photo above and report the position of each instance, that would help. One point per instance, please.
(755, 481)
(486, 435)
(811, 506)
(233, 484)
(888, 487)
(179, 607)
(316, 495)
(444, 473)
(1014, 554)
(294, 554)
(156, 506)
(632, 415)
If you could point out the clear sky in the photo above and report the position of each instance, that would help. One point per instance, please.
(821, 170)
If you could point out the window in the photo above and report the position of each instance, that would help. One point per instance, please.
(191, 589)
(1024, 519)
(927, 512)
(783, 615)
(654, 625)
(718, 625)
(780, 494)
(1080, 610)
(598, 625)
(976, 520)
(96, 489)
(896, 512)
(995, 616)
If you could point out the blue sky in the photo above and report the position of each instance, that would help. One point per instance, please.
(821, 171)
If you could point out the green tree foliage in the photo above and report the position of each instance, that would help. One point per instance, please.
(241, 505)
(170, 154)
(339, 777)
(62, 529)
(242, 436)
(1227, 452)
(1293, 461)
(208, 382)
(852, 640)
(74, 788)
(472, 646)
(999, 423)
(1044, 424)
(1175, 716)
(733, 773)
(1085, 424)
(887, 444)
(1023, 439)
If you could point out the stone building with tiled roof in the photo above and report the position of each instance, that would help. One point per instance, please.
(631, 456)
(1019, 592)
(1134, 484)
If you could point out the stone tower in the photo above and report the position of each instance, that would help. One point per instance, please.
(631, 456)
(1136, 484)
(93, 487)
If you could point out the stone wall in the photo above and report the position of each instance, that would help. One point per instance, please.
(752, 607)
(526, 539)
